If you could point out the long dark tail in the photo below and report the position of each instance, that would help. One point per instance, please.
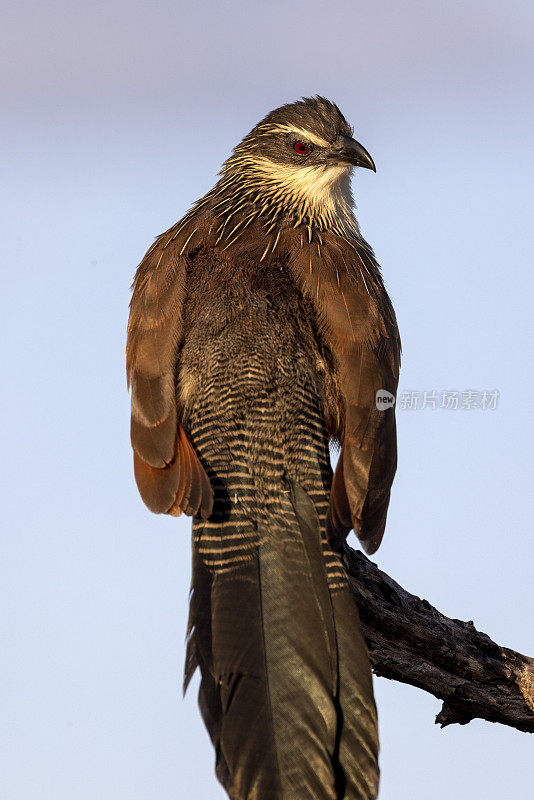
(286, 691)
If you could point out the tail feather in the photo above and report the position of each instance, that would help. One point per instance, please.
(285, 681)
(358, 727)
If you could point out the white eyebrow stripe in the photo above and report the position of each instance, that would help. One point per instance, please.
(311, 137)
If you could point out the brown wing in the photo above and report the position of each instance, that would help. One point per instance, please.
(344, 281)
(169, 476)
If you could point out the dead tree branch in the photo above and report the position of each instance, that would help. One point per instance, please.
(410, 641)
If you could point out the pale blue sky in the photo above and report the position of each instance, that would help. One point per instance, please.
(115, 117)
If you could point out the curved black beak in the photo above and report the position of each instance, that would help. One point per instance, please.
(349, 151)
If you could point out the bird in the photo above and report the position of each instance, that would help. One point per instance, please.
(260, 335)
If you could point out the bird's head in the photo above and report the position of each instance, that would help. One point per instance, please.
(295, 165)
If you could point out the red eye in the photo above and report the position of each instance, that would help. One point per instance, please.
(301, 148)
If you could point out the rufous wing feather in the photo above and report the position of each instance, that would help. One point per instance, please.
(169, 475)
(343, 280)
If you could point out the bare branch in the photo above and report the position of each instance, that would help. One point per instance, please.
(410, 641)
